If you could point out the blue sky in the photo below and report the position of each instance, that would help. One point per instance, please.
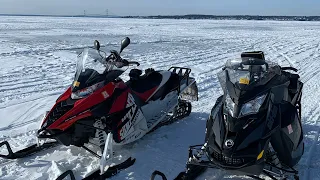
(162, 7)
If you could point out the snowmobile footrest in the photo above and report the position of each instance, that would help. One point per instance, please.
(26, 151)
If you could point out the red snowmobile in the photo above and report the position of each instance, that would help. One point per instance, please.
(100, 108)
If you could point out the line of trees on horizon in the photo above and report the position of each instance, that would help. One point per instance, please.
(191, 16)
(230, 17)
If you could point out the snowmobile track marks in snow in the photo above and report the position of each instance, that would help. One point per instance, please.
(221, 40)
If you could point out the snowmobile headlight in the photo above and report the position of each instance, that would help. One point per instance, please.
(252, 106)
(230, 105)
(86, 91)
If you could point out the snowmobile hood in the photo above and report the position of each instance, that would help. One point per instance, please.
(245, 144)
(230, 135)
(95, 80)
(67, 111)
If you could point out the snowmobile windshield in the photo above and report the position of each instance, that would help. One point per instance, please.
(92, 71)
(244, 75)
(90, 59)
(240, 80)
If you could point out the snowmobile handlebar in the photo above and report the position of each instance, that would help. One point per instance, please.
(120, 62)
(124, 62)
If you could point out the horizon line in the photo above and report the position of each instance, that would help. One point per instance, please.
(101, 15)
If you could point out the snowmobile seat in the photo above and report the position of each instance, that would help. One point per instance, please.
(172, 84)
(135, 74)
(144, 86)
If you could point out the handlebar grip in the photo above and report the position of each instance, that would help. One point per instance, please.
(289, 68)
(131, 62)
(134, 62)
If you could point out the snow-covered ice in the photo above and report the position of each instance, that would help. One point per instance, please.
(37, 60)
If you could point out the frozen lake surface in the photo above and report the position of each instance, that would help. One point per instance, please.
(38, 56)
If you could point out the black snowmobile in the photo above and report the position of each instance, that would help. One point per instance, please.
(255, 128)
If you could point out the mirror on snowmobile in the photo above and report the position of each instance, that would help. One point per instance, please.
(97, 44)
(124, 43)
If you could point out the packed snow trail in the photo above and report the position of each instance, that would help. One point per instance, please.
(38, 55)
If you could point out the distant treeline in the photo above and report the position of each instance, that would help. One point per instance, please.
(191, 16)
(234, 17)
(41, 15)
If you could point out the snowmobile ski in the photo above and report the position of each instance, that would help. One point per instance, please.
(66, 174)
(113, 170)
(155, 173)
(26, 151)
(191, 173)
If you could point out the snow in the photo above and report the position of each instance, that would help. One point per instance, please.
(38, 56)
